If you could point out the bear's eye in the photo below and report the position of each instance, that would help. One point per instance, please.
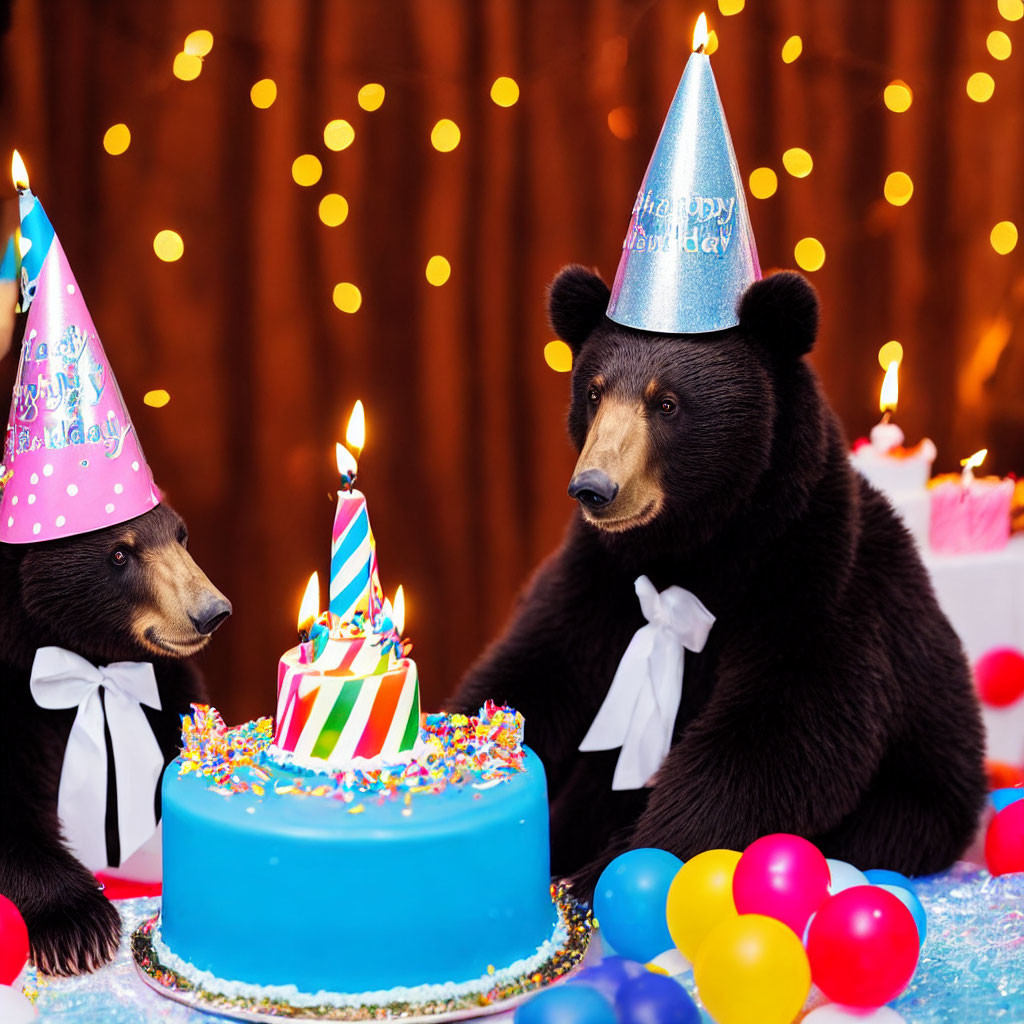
(593, 395)
(668, 406)
(119, 557)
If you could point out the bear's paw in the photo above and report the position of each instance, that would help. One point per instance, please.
(78, 931)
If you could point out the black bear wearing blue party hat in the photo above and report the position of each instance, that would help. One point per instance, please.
(830, 696)
(737, 636)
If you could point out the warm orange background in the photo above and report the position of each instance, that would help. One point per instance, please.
(467, 463)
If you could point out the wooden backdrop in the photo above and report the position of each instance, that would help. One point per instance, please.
(466, 464)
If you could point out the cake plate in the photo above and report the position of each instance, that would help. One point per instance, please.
(575, 917)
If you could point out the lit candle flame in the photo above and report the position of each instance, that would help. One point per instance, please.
(700, 33)
(974, 461)
(890, 394)
(19, 172)
(355, 435)
(346, 461)
(310, 607)
(398, 610)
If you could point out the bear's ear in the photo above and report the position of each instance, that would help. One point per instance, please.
(577, 300)
(781, 311)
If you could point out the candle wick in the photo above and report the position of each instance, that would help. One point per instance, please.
(700, 49)
(887, 416)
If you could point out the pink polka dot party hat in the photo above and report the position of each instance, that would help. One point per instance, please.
(72, 462)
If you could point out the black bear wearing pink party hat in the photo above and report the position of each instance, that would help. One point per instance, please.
(101, 608)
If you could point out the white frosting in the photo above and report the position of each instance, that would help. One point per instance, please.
(903, 480)
(363, 764)
(416, 994)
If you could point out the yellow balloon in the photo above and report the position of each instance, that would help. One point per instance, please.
(752, 968)
(699, 897)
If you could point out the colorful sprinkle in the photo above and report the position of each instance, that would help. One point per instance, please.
(454, 750)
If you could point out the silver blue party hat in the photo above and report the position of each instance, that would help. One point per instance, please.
(689, 253)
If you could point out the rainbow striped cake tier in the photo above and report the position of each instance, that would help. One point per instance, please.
(351, 702)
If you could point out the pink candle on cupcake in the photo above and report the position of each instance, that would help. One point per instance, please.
(968, 514)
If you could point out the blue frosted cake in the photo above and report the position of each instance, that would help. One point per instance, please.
(377, 884)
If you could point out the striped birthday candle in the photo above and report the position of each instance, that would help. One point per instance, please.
(352, 558)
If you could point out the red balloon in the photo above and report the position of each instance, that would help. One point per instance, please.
(1004, 840)
(13, 941)
(781, 876)
(863, 947)
(999, 676)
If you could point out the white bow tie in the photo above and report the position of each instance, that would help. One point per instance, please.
(61, 679)
(639, 711)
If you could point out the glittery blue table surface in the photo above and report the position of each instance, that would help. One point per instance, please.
(971, 968)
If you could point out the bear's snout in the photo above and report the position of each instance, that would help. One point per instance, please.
(214, 609)
(614, 481)
(593, 488)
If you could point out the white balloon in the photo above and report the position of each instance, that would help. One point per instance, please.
(844, 876)
(830, 1013)
(14, 1007)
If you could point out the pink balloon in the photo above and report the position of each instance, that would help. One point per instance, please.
(1004, 840)
(863, 947)
(781, 876)
(13, 941)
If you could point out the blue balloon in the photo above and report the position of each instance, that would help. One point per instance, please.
(609, 975)
(1000, 798)
(567, 1004)
(880, 876)
(655, 999)
(844, 876)
(909, 899)
(629, 902)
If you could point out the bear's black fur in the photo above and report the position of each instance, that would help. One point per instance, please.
(832, 699)
(129, 592)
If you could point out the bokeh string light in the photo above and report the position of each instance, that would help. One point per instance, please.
(371, 96)
(198, 43)
(116, 139)
(438, 270)
(1011, 10)
(1003, 237)
(306, 169)
(763, 182)
(898, 96)
(622, 123)
(347, 297)
(898, 188)
(729, 7)
(338, 135)
(187, 66)
(890, 352)
(791, 49)
(333, 209)
(980, 86)
(168, 245)
(263, 93)
(505, 91)
(998, 45)
(157, 398)
(809, 254)
(558, 356)
(797, 162)
(445, 135)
